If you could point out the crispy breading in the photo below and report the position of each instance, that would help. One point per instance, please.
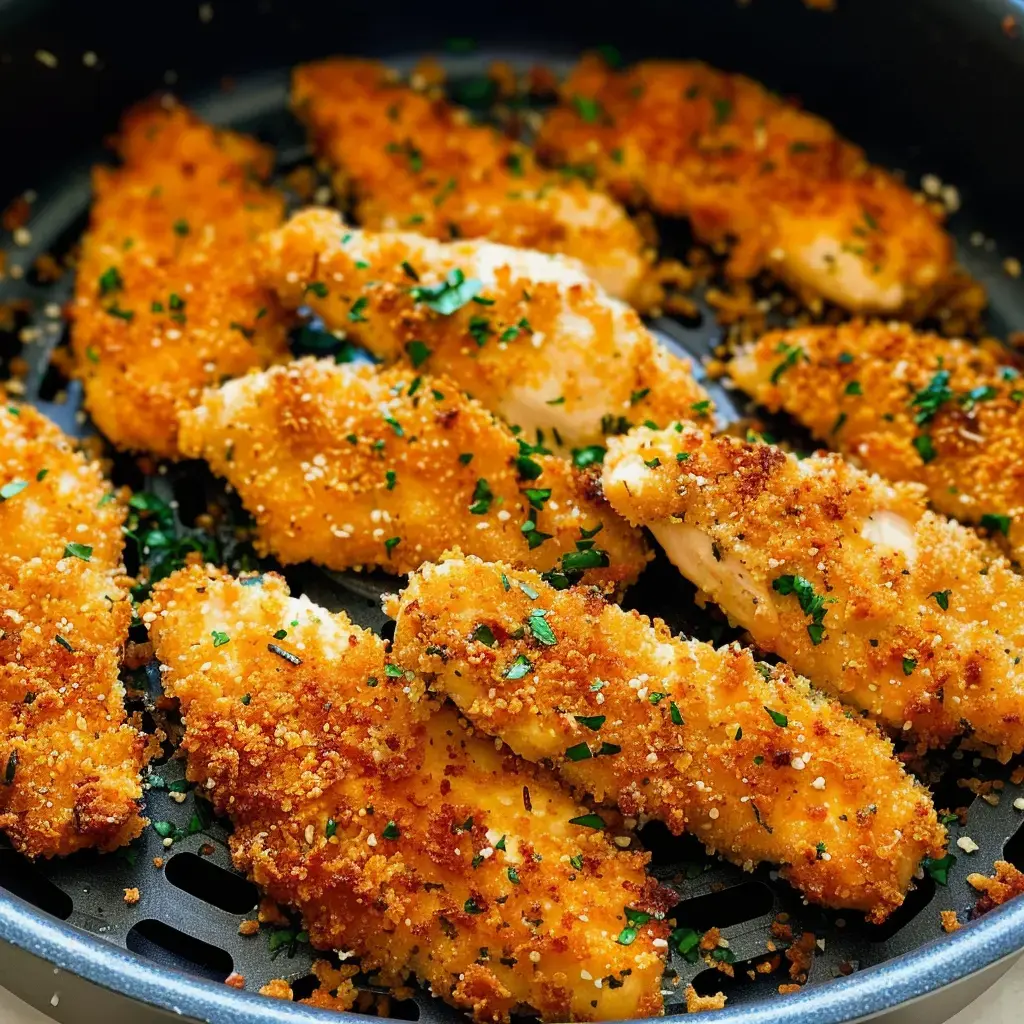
(743, 164)
(746, 757)
(69, 758)
(166, 299)
(892, 608)
(356, 466)
(398, 834)
(414, 162)
(1005, 884)
(908, 406)
(525, 333)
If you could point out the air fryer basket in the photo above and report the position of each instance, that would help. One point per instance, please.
(925, 86)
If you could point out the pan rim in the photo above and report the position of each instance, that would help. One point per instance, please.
(922, 972)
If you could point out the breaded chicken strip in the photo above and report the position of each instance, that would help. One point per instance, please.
(744, 165)
(744, 756)
(526, 333)
(888, 606)
(413, 162)
(69, 758)
(908, 406)
(399, 835)
(166, 299)
(356, 466)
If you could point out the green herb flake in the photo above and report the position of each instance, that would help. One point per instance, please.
(594, 821)
(941, 598)
(75, 550)
(909, 664)
(450, 295)
(538, 626)
(777, 717)
(391, 831)
(989, 521)
(219, 638)
(592, 722)
(483, 635)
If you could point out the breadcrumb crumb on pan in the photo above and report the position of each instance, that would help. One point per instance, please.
(414, 162)
(905, 615)
(167, 300)
(70, 758)
(526, 333)
(706, 740)
(907, 405)
(356, 466)
(398, 834)
(1006, 884)
(743, 164)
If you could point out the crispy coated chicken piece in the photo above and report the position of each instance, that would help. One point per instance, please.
(356, 466)
(744, 756)
(526, 333)
(896, 610)
(415, 162)
(166, 300)
(908, 406)
(69, 758)
(399, 835)
(743, 164)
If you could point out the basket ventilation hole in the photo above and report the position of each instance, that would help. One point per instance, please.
(168, 947)
(1013, 851)
(17, 875)
(683, 852)
(211, 884)
(738, 903)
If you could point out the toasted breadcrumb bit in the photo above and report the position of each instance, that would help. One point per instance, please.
(800, 956)
(949, 921)
(132, 896)
(236, 980)
(788, 989)
(249, 927)
(697, 1004)
(278, 988)
(158, 862)
(1007, 883)
(270, 913)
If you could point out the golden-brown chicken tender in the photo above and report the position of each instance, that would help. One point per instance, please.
(69, 758)
(166, 299)
(399, 835)
(525, 333)
(416, 163)
(359, 467)
(744, 756)
(908, 406)
(744, 165)
(888, 606)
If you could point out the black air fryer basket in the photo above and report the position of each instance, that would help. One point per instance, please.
(926, 86)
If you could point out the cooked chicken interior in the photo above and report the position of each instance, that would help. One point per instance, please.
(69, 757)
(166, 298)
(908, 406)
(354, 466)
(411, 161)
(744, 756)
(399, 835)
(526, 333)
(894, 609)
(744, 165)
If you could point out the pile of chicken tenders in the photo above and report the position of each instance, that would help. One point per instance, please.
(457, 807)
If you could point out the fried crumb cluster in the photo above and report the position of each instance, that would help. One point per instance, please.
(167, 299)
(746, 757)
(70, 758)
(1005, 884)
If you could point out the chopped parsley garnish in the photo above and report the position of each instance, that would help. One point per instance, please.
(941, 598)
(330, 828)
(591, 455)
(939, 867)
(687, 942)
(929, 400)
(682, 456)
(483, 635)
(466, 458)
(723, 110)
(592, 722)
(480, 329)
(519, 667)
(110, 281)
(576, 860)
(588, 108)
(590, 558)
(909, 664)
(811, 604)
(391, 831)
(318, 288)
(390, 479)
(76, 550)
(536, 496)
(11, 769)
(539, 627)
(925, 448)
(355, 314)
(472, 907)
(393, 671)
(219, 638)
(777, 717)
(482, 498)
(854, 388)
(701, 408)
(594, 821)
(246, 698)
(656, 698)
(675, 714)
(989, 521)
(513, 876)
(418, 353)
(580, 752)
(639, 396)
(281, 634)
(534, 537)
(652, 463)
(792, 355)
(500, 844)
(450, 295)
